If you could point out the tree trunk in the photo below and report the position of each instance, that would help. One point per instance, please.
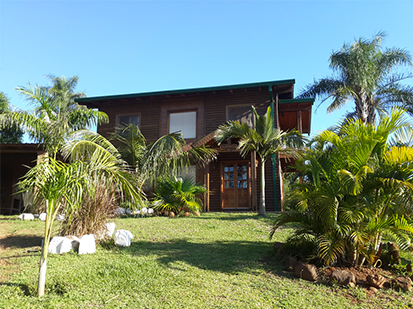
(45, 249)
(42, 275)
(262, 199)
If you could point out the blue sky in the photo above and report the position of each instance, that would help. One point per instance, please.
(119, 47)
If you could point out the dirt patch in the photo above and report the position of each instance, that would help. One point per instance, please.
(360, 273)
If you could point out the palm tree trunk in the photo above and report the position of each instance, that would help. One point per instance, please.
(262, 200)
(45, 249)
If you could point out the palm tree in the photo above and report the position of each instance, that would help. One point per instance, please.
(10, 133)
(265, 139)
(165, 157)
(176, 194)
(64, 186)
(55, 114)
(356, 189)
(364, 74)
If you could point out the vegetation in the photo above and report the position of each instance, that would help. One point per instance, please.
(219, 260)
(265, 139)
(63, 187)
(178, 194)
(55, 114)
(356, 190)
(165, 157)
(10, 133)
(365, 74)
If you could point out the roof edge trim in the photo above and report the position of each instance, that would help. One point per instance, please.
(189, 90)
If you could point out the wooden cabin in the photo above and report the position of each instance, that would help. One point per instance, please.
(231, 180)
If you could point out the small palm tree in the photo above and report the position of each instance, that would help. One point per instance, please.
(265, 139)
(177, 194)
(63, 186)
(364, 75)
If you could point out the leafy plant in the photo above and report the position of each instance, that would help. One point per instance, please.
(178, 194)
(356, 189)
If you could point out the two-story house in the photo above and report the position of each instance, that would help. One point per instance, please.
(231, 180)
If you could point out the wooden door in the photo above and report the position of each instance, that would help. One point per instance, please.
(235, 185)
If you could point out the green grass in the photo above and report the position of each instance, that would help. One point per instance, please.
(217, 260)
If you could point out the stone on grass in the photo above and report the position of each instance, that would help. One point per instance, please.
(42, 216)
(120, 211)
(60, 217)
(110, 229)
(306, 271)
(60, 245)
(376, 281)
(144, 211)
(75, 241)
(344, 277)
(123, 238)
(403, 283)
(87, 244)
(150, 211)
(290, 263)
(26, 216)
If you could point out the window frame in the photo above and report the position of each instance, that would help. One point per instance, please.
(182, 112)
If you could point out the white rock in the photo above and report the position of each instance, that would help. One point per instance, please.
(60, 217)
(42, 216)
(150, 210)
(144, 210)
(87, 244)
(128, 211)
(59, 245)
(137, 212)
(120, 211)
(123, 238)
(26, 216)
(110, 229)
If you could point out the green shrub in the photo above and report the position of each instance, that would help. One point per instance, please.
(178, 194)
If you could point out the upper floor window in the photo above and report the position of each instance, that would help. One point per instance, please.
(185, 122)
(243, 113)
(124, 120)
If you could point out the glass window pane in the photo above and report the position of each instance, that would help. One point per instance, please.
(231, 176)
(226, 168)
(226, 176)
(245, 184)
(226, 184)
(183, 122)
(231, 184)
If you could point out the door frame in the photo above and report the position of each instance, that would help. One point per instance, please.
(235, 163)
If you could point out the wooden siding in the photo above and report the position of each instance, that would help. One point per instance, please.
(211, 108)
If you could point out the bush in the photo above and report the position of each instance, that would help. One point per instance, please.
(178, 194)
(92, 216)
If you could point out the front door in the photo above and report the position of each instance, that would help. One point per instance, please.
(235, 185)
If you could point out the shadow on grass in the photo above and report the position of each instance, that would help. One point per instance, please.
(221, 256)
(25, 289)
(21, 241)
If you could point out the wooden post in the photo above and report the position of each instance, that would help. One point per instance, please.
(254, 180)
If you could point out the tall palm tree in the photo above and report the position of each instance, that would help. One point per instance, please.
(10, 133)
(64, 186)
(55, 114)
(356, 188)
(265, 139)
(365, 75)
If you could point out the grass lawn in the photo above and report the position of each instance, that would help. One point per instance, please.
(217, 260)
